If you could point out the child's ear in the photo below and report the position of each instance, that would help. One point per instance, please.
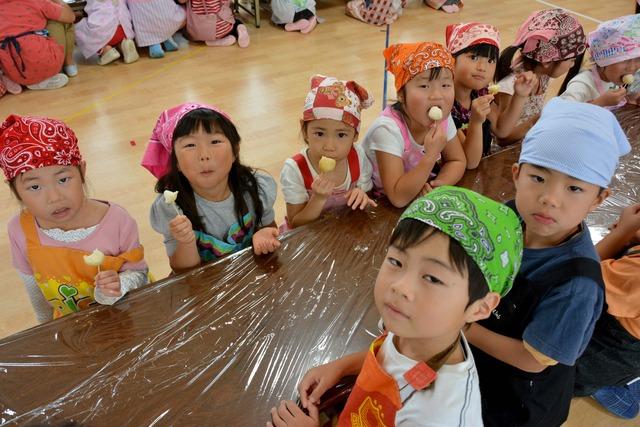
(482, 308)
(355, 138)
(83, 170)
(602, 195)
(515, 171)
(303, 130)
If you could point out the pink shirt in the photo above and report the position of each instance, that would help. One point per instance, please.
(116, 233)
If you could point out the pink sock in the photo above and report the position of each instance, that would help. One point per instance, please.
(312, 24)
(243, 36)
(297, 26)
(225, 41)
(452, 8)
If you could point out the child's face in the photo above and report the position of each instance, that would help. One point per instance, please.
(205, 159)
(613, 73)
(53, 194)
(420, 294)
(557, 69)
(552, 204)
(420, 94)
(473, 71)
(330, 138)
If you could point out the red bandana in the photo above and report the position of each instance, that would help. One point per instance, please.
(36, 142)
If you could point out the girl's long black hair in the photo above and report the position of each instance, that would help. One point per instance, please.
(504, 66)
(242, 180)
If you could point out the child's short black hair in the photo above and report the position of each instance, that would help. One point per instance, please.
(410, 232)
(483, 50)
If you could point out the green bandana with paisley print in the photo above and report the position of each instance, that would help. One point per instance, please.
(488, 231)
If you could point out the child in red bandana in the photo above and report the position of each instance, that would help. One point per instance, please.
(59, 224)
(330, 126)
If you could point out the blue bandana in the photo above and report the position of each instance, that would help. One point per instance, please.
(578, 139)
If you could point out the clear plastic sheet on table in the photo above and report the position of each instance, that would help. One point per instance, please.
(223, 343)
(218, 346)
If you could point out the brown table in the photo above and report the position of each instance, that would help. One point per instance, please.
(222, 344)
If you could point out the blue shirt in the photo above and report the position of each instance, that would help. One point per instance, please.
(563, 321)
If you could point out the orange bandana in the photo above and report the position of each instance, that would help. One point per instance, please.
(406, 60)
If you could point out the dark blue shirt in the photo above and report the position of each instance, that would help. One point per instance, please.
(563, 321)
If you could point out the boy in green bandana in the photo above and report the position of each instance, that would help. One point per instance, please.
(451, 257)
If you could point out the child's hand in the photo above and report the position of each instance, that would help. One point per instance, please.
(108, 282)
(288, 414)
(322, 186)
(629, 222)
(480, 108)
(265, 241)
(524, 83)
(316, 382)
(611, 97)
(426, 188)
(182, 230)
(633, 98)
(435, 139)
(358, 198)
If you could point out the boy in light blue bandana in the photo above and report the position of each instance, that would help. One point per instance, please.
(527, 349)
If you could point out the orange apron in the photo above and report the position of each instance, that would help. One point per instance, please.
(377, 397)
(65, 280)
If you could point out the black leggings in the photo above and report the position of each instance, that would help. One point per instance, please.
(234, 30)
(612, 358)
(303, 14)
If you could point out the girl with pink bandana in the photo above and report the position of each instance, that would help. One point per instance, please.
(59, 225)
(330, 125)
(222, 206)
(547, 45)
(475, 47)
(615, 50)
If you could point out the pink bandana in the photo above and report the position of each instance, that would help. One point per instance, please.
(334, 99)
(550, 35)
(28, 143)
(462, 36)
(616, 40)
(157, 155)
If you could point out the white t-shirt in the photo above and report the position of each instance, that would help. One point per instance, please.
(385, 135)
(582, 88)
(293, 184)
(453, 400)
